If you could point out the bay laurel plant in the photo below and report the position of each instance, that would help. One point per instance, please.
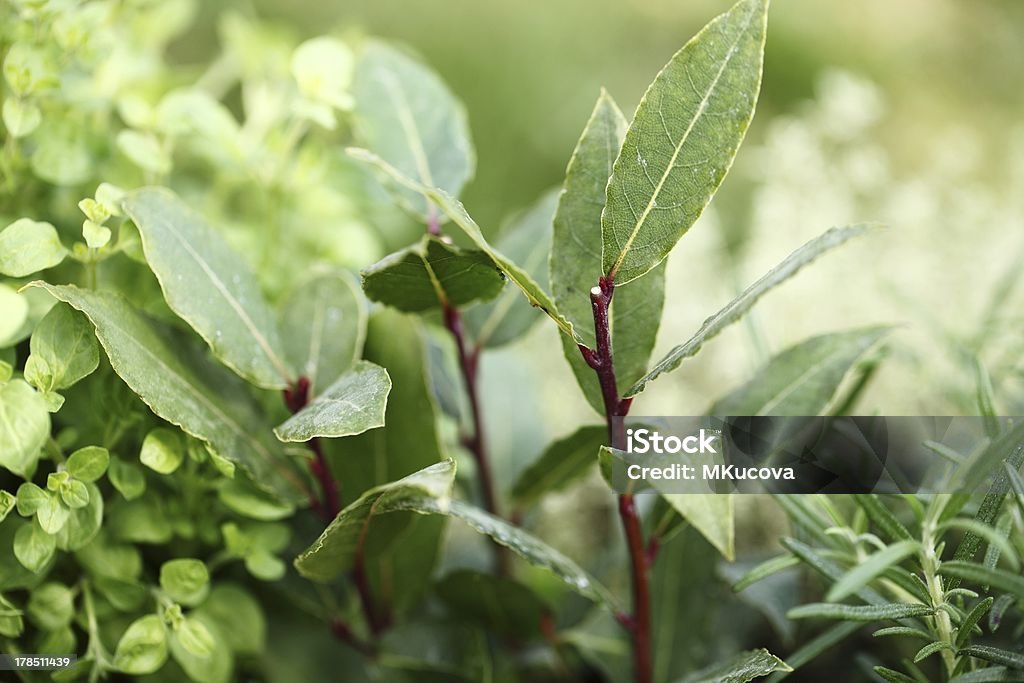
(227, 456)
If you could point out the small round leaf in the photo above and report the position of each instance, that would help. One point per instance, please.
(143, 647)
(33, 547)
(162, 450)
(89, 463)
(184, 580)
(51, 606)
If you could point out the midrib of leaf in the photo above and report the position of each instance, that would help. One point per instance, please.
(202, 399)
(409, 128)
(791, 387)
(435, 282)
(218, 284)
(678, 147)
(509, 298)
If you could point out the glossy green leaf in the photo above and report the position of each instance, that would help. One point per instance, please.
(526, 240)
(185, 580)
(354, 403)
(206, 283)
(999, 579)
(65, 344)
(33, 547)
(323, 326)
(409, 440)
(143, 647)
(527, 546)
(560, 465)
(742, 668)
(501, 604)
(682, 140)
(870, 567)
(177, 389)
(892, 610)
(407, 115)
(28, 246)
(432, 274)
(24, 427)
(335, 550)
(89, 463)
(452, 208)
(686, 563)
(163, 450)
(735, 309)
(712, 515)
(575, 264)
(803, 379)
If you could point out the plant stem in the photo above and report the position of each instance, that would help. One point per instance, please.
(328, 506)
(930, 562)
(616, 408)
(475, 442)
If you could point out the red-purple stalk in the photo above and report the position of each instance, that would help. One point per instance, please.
(601, 360)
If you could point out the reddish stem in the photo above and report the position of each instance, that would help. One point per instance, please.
(342, 631)
(296, 397)
(601, 360)
(475, 443)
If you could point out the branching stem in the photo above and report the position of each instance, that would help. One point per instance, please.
(328, 505)
(601, 360)
(475, 442)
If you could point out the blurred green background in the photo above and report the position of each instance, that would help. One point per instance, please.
(529, 71)
(906, 114)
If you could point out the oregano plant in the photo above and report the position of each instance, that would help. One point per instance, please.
(244, 433)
